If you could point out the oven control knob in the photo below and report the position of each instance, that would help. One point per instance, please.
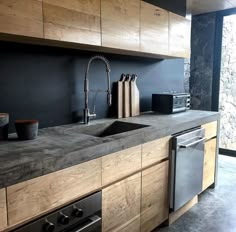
(64, 219)
(78, 212)
(49, 227)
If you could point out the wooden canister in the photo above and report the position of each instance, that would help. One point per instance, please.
(4, 124)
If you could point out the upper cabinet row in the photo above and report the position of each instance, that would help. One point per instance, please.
(127, 25)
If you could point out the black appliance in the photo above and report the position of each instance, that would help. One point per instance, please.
(81, 216)
(169, 103)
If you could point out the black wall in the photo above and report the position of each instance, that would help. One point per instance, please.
(47, 83)
(175, 6)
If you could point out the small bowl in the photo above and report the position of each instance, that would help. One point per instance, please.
(27, 129)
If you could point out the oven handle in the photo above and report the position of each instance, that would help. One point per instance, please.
(94, 219)
(191, 144)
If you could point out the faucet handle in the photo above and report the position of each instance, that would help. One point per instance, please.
(109, 98)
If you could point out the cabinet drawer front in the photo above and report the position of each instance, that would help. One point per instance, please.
(153, 29)
(155, 204)
(3, 209)
(209, 163)
(34, 197)
(65, 23)
(24, 17)
(210, 129)
(121, 205)
(120, 164)
(155, 151)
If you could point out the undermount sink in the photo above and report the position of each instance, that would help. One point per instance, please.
(108, 129)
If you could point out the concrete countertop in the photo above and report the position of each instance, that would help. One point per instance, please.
(64, 146)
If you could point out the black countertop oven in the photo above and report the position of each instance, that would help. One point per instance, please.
(170, 103)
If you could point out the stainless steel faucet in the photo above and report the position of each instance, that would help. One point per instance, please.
(87, 114)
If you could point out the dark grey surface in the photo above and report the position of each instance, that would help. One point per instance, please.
(176, 6)
(202, 60)
(47, 83)
(216, 210)
(64, 146)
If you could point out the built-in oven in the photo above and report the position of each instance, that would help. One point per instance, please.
(186, 172)
(81, 216)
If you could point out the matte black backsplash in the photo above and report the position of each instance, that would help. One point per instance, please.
(46, 83)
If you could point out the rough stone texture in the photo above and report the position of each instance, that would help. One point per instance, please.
(202, 58)
(64, 146)
(216, 209)
(227, 101)
(186, 75)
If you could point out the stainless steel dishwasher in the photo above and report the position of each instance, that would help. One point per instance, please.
(186, 171)
(81, 216)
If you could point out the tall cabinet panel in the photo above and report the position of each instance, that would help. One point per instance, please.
(154, 29)
(121, 205)
(3, 209)
(120, 24)
(21, 17)
(73, 21)
(179, 36)
(155, 204)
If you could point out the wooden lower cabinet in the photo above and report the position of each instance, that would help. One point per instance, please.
(209, 163)
(121, 205)
(210, 130)
(155, 204)
(155, 151)
(3, 209)
(37, 196)
(120, 164)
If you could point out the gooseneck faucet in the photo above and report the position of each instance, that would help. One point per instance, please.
(87, 114)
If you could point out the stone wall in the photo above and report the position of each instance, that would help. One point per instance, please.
(227, 101)
(202, 59)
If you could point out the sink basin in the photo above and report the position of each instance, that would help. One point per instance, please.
(108, 129)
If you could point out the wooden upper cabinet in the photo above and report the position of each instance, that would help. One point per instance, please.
(73, 21)
(3, 209)
(179, 36)
(21, 17)
(155, 204)
(153, 29)
(121, 205)
(120, 24)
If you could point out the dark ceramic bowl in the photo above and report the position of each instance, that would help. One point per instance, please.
(4, 122)
(27, 129)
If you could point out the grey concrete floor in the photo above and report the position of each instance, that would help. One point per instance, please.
(216, 210)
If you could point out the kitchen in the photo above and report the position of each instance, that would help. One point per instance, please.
(93, 167)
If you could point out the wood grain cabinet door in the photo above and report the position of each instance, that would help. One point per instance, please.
(155, 204)
(21, 17)
(154, 24)
(210, 130)
(37, 196)
(155, 151)
(120, 24)
(121, 205)
(179, 36)
(120, 164)
(209, 164)
(3, 209)
(73, 21)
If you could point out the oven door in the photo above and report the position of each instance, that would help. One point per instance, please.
(187, 161)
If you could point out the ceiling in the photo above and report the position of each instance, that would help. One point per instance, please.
(203, 6)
